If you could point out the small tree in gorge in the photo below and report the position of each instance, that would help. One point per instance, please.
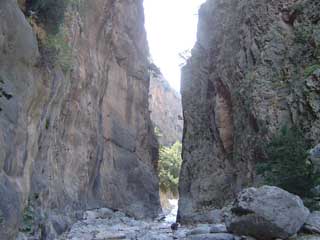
(169, 167)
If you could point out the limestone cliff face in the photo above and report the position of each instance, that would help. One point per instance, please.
(166, 110)
(83, 138)
(251, 72)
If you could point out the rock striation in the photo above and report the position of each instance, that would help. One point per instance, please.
(166, 109)
(81, 138)
(254, 69)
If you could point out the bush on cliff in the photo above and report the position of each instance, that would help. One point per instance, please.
(58, 51)
(48, 12)
(287, 166)
(169, 167)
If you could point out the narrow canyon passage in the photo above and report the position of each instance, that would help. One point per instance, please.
(170, 40)
(99, 140)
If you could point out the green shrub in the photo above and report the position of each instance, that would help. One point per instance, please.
(47, 124)
(287, 166)
(309, 70)
(169, 167)
(58, 51)
(28, 218)
(303, 34)
(49, 12)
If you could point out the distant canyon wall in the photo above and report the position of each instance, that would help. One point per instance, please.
(166, 109)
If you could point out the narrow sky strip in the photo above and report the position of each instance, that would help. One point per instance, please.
(171, 28)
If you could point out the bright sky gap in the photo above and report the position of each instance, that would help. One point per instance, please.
(171, 29)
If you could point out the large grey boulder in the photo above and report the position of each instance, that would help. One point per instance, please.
(312, 224)
(267, 213)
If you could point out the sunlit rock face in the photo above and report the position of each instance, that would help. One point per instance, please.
(166, 109)
(83, 138)
(248, 76)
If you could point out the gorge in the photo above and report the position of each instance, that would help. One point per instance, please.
(77, 144)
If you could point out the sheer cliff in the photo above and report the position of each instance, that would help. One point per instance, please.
(79, 136)
(166, 109)
(254, 68)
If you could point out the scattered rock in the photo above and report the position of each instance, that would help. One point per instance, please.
(213, 216)
(202, 229)
(267, 213)
(98, 213)
(306, 237)
(214, 236)
(60, 223)
(218, 228)
(312, 224)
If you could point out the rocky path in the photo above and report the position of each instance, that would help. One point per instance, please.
(106, 224)
(103, 224)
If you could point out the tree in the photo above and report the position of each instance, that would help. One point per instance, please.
(287, 166)
(169, 167)
(49, 12)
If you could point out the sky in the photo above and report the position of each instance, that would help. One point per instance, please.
(171, 29)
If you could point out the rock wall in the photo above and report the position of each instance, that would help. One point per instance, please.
(252, 71)
(166, 109)
(81, 138)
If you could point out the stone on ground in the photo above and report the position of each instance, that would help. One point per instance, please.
(213, 236)
(312, 224)
(267, 213)
(202, 229)
(218, 228)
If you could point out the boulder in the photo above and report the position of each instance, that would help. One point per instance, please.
(202, 229)
(267, 213)
(218, 228)
(214, 236)
(98, 213)
(312, 224)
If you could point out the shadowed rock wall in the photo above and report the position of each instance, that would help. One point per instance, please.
(83, 138)
(248, 76)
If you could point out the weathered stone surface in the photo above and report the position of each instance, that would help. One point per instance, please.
(214, 236)
(202, 229)
(100, 133)
(206, 229)
(306, 237)
(83, 138)
(267, 213)
(218, 228)
(312, 225)
(315, 157)
(166, 109)
(251, 72)
(18, 55)
(119, 226)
